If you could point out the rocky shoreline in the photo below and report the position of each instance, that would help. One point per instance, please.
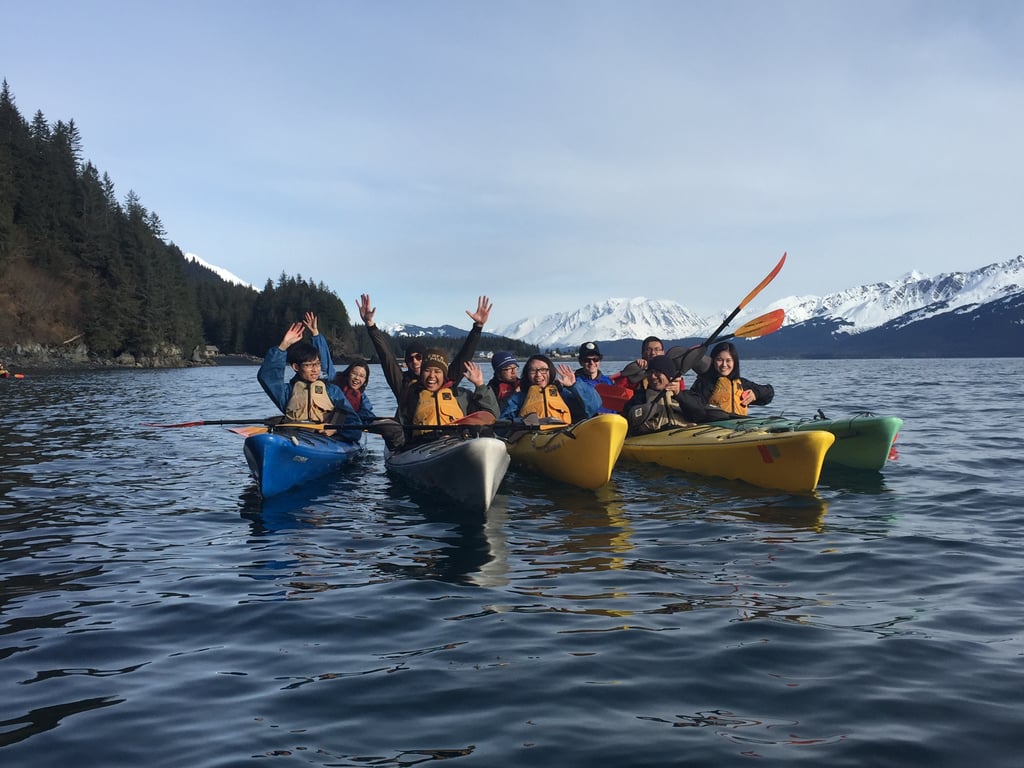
(39, 358)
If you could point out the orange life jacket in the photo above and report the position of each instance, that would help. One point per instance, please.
(546, 402)
(436, 409)
(726, 395)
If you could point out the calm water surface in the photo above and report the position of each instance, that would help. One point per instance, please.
(155, 612)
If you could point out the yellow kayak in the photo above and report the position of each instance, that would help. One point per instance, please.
(582, 454)
(787, 461)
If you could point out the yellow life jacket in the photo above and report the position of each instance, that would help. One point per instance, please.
(309, 401)
(435, 409)
(547, 403)
(726, 395)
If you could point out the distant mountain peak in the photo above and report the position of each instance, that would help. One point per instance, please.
(219, 271)
(609, 320)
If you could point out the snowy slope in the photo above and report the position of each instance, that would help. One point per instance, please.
(866, 307)
(219, 271)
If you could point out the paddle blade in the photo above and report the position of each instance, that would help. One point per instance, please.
(247, 431)
(760, 286)
(746, 300)
(689, 358)
(767, 323)
(477, 419)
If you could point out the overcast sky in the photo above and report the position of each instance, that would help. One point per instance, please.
(548, 154)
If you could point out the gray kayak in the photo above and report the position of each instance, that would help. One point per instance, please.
(465, 471)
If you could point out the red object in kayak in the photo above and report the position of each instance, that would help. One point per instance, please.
(613, 398)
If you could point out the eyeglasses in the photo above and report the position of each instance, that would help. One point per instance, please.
(537, 371)
(310, 366)
(586, 360)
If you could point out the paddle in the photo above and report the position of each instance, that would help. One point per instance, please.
(687, 358)
(475, 419)
(760, 326)
(218, 423)
(747, 299)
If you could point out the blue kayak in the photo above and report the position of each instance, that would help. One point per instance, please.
(291, 456)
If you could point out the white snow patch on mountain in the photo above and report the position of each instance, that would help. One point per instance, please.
(870, 306)
(219, 271)
(608, 320)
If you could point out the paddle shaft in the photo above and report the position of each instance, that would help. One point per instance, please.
(217, 423)
(746, 300)
(761, 325)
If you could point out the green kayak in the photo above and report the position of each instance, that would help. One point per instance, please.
(863, 441)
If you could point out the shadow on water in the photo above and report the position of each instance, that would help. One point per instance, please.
(838, 478)
(694, 496)
(438, 539)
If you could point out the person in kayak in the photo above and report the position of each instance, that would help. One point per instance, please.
(401, 381)
(436, 403)
(306, 397)
(352, 381)
(354, 392)
(650, 348)
(589, 372)
(505, 381)
(547, 395)
(656, 406)
(720, 392)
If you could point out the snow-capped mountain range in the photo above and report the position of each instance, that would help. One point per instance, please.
(856, 310)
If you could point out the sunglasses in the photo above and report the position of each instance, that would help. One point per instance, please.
(586, 360)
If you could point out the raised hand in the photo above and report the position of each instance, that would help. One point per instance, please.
(483, 311)
(292, 335)
(566, 375)
(366, 312)
(310, 323)
(474, 373)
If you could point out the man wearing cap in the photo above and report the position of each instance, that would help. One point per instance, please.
(657, 406)
(436, 403)
(505, 381)
(589, 372)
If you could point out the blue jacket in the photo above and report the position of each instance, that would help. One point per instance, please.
(271, 378)
(583, 402)
(602, 379)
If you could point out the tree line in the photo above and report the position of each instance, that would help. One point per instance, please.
(78, 264)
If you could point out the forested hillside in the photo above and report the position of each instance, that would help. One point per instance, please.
(79, 266)
(81, 269)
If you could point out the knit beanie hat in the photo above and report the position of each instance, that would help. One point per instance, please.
(435, 358)
(501, 359)
(415, 346)
(663, 364)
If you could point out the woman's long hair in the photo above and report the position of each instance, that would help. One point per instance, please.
(726, 346)
(341, 378)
